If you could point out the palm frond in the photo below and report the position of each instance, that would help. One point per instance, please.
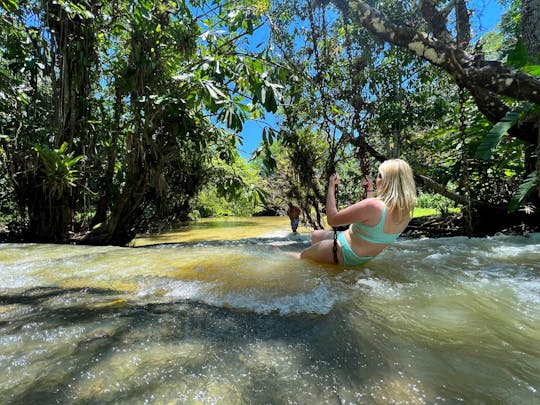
(523, 191)
(496, 133)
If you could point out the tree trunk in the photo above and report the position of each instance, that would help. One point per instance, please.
(487, 81)
(530, 26)
(72, 41)
(120, 226)
(106, 196)
(465, 68)
(49, 218)
(530, 22)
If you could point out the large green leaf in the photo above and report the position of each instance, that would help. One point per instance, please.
(496, 133)
(523, 191)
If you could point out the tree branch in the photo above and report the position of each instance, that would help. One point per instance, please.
(466, 69)
(435, 19)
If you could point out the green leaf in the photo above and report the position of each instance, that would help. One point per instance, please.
(63, 148)
(9, 5)
(533, 70)
(523, 191)
(518, 56)
(496, 133)
(213, 91)
(71, 162)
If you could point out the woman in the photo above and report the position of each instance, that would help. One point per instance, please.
(375, 222)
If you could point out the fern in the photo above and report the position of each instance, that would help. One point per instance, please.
(496, 133)
(523, 191)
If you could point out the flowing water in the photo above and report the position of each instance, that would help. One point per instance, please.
(218, 313)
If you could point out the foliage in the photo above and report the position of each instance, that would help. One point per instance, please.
(427, 212)
(340, 93)
(277, 179)
(58, 168)
(510, 28)
(231, 190)
(524, 190)
(496, 133)
(149, 99)
(441, 204)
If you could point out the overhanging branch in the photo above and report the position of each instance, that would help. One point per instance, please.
(466, 69)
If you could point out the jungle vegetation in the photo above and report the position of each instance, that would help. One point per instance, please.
(116, 115)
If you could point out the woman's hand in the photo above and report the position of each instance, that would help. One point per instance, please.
(334, 180)
(367, 184)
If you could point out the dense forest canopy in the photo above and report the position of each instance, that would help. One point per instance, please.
(119, 114)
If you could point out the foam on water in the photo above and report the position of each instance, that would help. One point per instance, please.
(249, 275)
(244, 275)
(268, 286)
(319, 300)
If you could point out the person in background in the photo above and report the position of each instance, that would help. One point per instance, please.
(294, 214)
(376, 222)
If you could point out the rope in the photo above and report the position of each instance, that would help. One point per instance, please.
(354, 67)
(334, 248)
(364, 170)
(464, 159)
(356, 102)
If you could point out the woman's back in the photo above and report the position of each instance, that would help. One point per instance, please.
(382, 228)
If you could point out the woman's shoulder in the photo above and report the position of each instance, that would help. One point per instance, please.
(374, 202)
(368, 208)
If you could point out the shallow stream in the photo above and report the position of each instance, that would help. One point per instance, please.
(219, 314)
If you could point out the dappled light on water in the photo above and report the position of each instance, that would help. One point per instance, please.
(200, 318)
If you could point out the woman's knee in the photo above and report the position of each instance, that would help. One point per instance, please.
(317, 236)
(320, 252)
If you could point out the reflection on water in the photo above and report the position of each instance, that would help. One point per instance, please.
(202, 320)
(225, 228)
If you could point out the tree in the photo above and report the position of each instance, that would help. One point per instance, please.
(493, 84)
(113, 109)
(351, 92)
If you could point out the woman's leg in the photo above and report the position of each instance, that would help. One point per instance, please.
(322, 252)
(317, 251)
(321, 234)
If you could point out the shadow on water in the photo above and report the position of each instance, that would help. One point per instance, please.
(229, 337)
(35, 295)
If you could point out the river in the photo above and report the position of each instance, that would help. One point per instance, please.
(217, 313)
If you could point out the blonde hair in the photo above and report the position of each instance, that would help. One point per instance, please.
(397, 189)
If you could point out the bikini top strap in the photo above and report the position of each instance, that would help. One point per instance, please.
(383, 218)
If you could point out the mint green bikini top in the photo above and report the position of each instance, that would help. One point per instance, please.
(375, 233)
